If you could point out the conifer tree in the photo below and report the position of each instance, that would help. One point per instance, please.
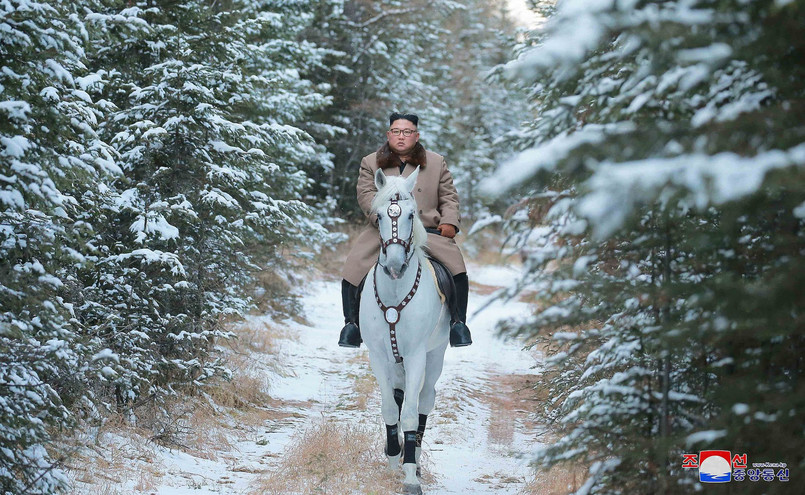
(383, 57)
(205, 100)
(482, 106)
(436, 59)
(49, 157)
(142, 184)
(663, 177)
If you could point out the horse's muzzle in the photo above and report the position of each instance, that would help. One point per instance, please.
(394, 274)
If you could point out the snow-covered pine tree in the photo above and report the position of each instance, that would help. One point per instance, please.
(483, 107)
(665, 167)
(384, 56)
(206, 99)
(49, 157)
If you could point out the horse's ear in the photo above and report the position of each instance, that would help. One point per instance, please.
(380, 179)
(410, 182)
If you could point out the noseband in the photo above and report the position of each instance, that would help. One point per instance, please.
(394, 211)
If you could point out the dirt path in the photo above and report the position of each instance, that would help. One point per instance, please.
(321, 430)
(479, 432)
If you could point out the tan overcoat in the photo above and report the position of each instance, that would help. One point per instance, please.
(437, 200)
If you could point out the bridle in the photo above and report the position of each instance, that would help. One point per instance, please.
(392, 313)
(394, 211)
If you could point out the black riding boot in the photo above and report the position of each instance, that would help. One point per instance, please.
(459, 333)
(350, 334)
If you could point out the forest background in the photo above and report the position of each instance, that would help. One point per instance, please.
(159, 158)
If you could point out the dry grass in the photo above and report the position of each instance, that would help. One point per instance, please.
(332, 457)
(190, 423)
(510, 401)
(203, 437)
(525, 392)
(364, 388)
(483, 289)
(559, 480)
(256, 348)
(202, 424)
(252, 357)
(105, 462)
(272, 292)
(245, 398)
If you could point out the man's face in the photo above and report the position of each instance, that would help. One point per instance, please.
(402, 144)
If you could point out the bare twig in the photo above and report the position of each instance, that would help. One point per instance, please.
(382, 16)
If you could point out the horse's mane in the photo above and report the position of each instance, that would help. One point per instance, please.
(396, 185)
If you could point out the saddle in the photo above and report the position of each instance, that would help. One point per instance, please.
(444, 280)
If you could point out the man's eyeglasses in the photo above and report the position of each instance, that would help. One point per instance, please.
(404, 132)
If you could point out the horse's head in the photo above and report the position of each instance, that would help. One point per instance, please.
(401, 230)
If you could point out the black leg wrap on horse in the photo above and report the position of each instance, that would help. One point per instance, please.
(392, 441)
(409, 455)
(420, 431)
(399, 396)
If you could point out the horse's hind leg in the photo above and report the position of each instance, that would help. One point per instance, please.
(398, 382)
(399, 397)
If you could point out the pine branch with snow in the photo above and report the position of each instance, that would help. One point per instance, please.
(667, 150)
(204, 104)
(50, 157)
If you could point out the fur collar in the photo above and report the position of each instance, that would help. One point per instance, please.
(387, 159)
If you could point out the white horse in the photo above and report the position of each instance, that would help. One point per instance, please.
(404, 322)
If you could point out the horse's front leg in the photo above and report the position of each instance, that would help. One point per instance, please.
(384, 373)
(409, 418)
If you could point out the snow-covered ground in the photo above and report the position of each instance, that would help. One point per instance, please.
(478, 436)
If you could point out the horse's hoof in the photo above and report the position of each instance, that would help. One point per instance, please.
(412, 489)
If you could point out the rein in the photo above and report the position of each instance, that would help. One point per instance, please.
(392, 313)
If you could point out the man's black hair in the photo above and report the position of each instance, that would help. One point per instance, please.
(414, 119)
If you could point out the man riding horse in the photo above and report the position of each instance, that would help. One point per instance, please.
(438, 204)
